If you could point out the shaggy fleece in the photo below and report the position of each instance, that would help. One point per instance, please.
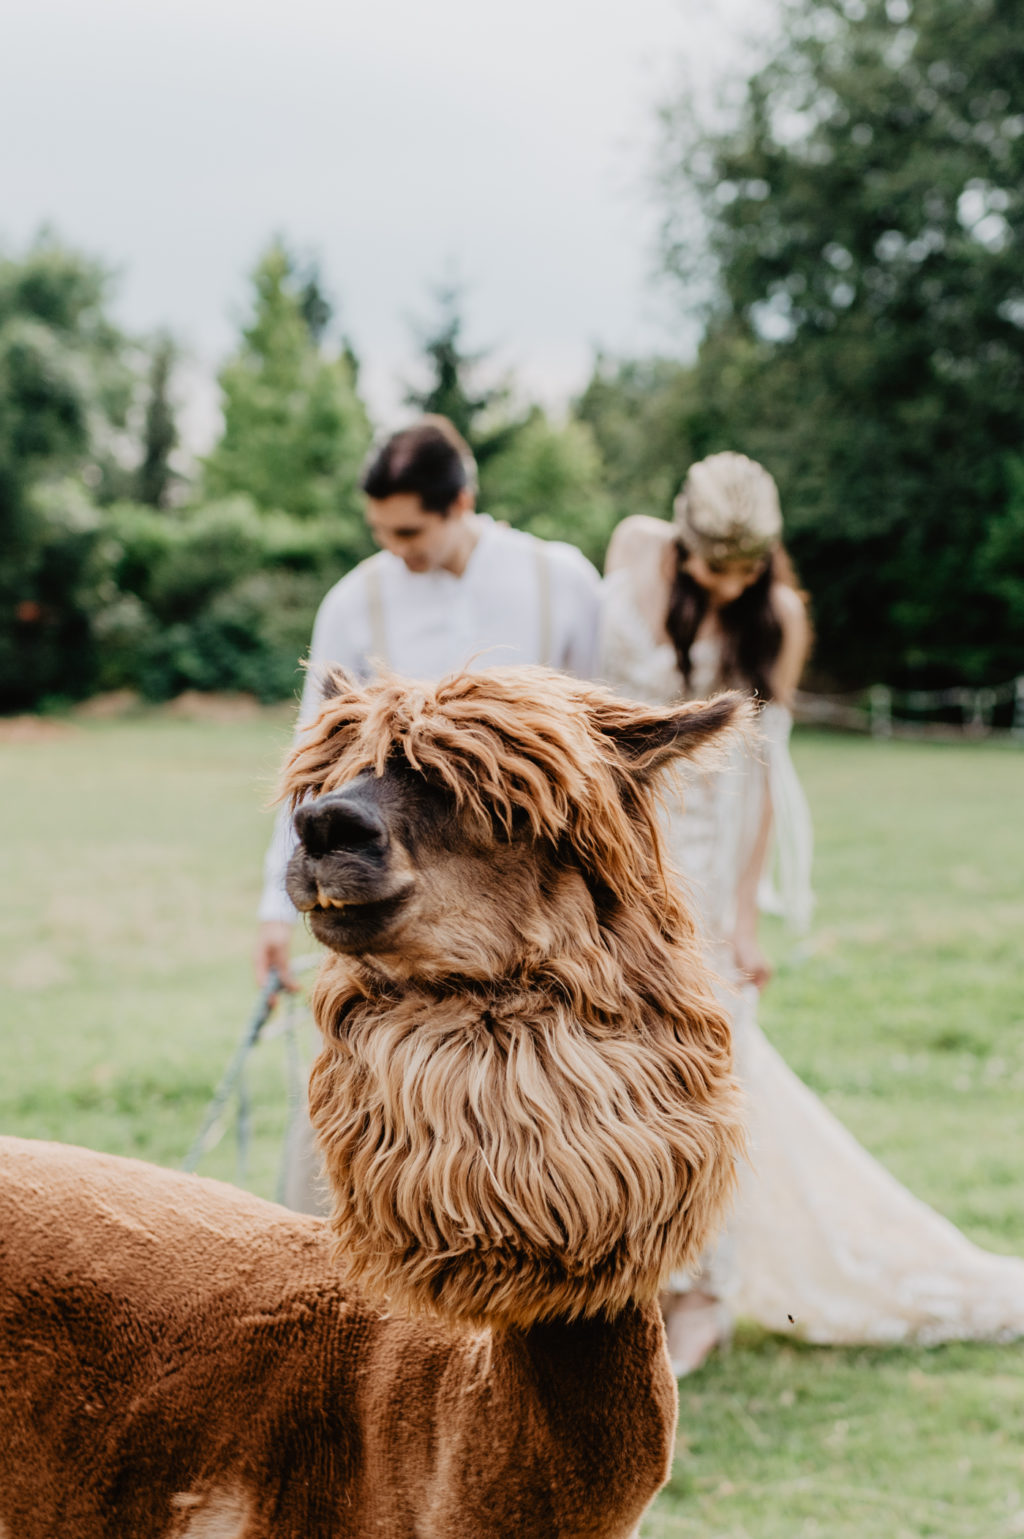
(178, 1358)
(525, 1098)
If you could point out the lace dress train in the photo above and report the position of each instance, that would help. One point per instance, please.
(824, 1242)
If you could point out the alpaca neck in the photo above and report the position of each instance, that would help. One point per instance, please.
(580, 1360)
(584, 976)
(499, 1153)
(595, 1387)
(524, 1431)
(553, 1407)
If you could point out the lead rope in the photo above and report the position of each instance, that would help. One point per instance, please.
(211, 1128)
(234, 1079)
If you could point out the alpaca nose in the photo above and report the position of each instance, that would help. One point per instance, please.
(339, 822)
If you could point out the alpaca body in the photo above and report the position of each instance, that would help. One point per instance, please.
(179, 1358)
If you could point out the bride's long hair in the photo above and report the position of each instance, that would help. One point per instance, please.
(751, 631)
(728, 510)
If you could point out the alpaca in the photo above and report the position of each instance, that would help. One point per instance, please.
(526, 1108)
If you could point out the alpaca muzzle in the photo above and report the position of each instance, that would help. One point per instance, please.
(346, 874)
(344, 822)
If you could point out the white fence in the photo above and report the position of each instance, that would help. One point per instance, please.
(885, 712)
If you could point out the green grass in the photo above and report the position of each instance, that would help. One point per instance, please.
(133, 850)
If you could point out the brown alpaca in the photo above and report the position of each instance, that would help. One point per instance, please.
(526, 1107)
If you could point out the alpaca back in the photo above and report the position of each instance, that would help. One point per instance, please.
(170, 1348)
(180, 1360)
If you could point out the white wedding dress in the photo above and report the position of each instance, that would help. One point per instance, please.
(824, 1242)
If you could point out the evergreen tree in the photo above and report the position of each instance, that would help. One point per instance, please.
(65, 387)
(155, 477)
(295, 431)
(317, 310)
(482, 416)
(865, 215)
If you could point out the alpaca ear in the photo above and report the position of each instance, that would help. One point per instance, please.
(331, 679)
(319, 741)
(336, 681)
(649, 739)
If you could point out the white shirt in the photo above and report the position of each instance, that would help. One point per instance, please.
(518, 600)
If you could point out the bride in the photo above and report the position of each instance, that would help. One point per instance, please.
(823, 1241)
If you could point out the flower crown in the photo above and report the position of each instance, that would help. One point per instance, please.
(728, 509)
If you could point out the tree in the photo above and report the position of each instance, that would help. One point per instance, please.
(482, 415)
(533, 474)
(295, 431)
(550, 480)
(65, 387)
(641, 412)
(317, 310)
(865, 215)
(1001, 558)
(155, 476)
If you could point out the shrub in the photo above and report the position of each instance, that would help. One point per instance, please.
(219, 597)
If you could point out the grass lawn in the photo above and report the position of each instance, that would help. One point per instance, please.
(132, 852)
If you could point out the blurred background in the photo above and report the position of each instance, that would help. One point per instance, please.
(605, 240)
(237, 241)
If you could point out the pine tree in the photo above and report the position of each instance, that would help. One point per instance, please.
(482, 415)
(295, 431)
(155, 477)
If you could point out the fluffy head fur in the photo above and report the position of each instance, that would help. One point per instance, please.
(537, 1120)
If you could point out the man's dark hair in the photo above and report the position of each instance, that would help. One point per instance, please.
(431, 460)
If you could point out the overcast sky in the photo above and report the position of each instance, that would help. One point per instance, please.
(395, 140)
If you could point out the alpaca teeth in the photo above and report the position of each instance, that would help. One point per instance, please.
(327, 902)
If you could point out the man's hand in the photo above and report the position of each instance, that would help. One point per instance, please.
(273, 950)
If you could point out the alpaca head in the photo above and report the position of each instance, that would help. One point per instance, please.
(525, 1098)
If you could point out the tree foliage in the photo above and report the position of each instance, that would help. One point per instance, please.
(865, 215)
(65, 383)
(550, 480)
(295, 431)
(101, 592)
(483, 414)
(216, 597)
(641, 413)
(155, 478)
(65, 387)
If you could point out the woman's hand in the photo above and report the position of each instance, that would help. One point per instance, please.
(751, 963)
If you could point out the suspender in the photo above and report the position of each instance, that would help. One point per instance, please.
(544, 648)
(379, 656)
